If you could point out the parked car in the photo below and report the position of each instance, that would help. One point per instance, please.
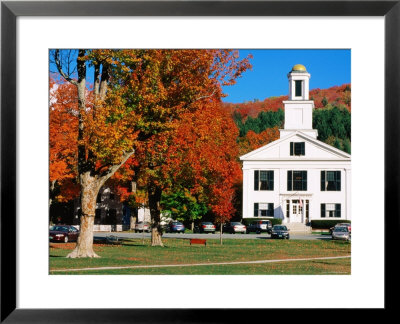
(234, 227)
(142, 226)
(63, 233)
(280, 231)
(341, 233)
(348, 225)
(205, 227)
(175, 227)
(260, 226)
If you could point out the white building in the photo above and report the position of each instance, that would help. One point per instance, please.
(297, 178)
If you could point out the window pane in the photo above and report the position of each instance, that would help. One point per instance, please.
(330, 175)
(298, 88)
(330, 206)
(263, 175)
(299, 148)
(300, 180)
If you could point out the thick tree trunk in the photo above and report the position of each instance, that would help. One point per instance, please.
(90, 187)
(220, 233)
(155, 213)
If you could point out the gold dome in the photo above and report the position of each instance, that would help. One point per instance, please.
(299, 68)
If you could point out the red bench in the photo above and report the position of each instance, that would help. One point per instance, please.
(198, 241)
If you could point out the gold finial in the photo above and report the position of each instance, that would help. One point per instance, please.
(299, 67)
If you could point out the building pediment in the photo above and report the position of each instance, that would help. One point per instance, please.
(280, 150)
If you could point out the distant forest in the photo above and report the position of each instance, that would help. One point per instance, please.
(332, 118)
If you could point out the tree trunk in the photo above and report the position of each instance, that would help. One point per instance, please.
(90, 187)
(220, 234)
(192, 225)
(155, 213)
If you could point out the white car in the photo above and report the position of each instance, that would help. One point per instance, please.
(142, 226)
(234, 227)
(341, 233)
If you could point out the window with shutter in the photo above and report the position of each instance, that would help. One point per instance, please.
(289, 181)
(270, 209)
(297, 180)
(263, 180)
(256, 180)
(263, 209)
(323, 212)
(297, 148)
(255, 209)
(330, 181)
(338, 210)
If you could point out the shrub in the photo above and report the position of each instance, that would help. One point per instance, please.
(326, 223)
(274, 221)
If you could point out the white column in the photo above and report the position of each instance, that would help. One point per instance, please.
(246, 189)
(306, 89)
(348, 193)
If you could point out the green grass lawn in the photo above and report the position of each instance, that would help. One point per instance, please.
(178, 251)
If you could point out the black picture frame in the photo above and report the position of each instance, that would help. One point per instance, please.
(10, 10)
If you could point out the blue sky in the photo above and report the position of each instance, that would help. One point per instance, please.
(270, 67)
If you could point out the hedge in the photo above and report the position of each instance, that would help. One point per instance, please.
(326, 223)
(274, 221)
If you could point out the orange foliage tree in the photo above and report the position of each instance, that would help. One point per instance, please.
(203, 157)
(136, 94)
(63, 131)
(253, 141)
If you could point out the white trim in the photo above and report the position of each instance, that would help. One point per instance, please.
(322, 145)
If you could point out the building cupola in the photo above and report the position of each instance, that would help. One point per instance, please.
(298, 109)
(299, 80)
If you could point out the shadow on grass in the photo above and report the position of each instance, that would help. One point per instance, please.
(263, 238)
(324, 238)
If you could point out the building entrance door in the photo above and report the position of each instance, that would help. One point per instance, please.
(296, 212)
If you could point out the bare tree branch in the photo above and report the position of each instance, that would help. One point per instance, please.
(58, 63)
(109, 173)
(204, 97)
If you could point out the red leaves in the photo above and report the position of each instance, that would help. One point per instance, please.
(253, 141)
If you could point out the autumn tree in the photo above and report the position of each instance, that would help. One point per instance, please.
(63, 132)
(253, 141)
(136, 94)
(204, 158)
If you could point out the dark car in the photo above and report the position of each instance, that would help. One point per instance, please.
(260, 226)
(205, 227)
(63, 233)
(175, 227)
(280, 231)
(348, 225)
(234, 227)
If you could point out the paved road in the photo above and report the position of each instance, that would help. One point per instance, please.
(293, 236)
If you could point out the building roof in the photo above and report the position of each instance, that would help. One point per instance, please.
(334, 152)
